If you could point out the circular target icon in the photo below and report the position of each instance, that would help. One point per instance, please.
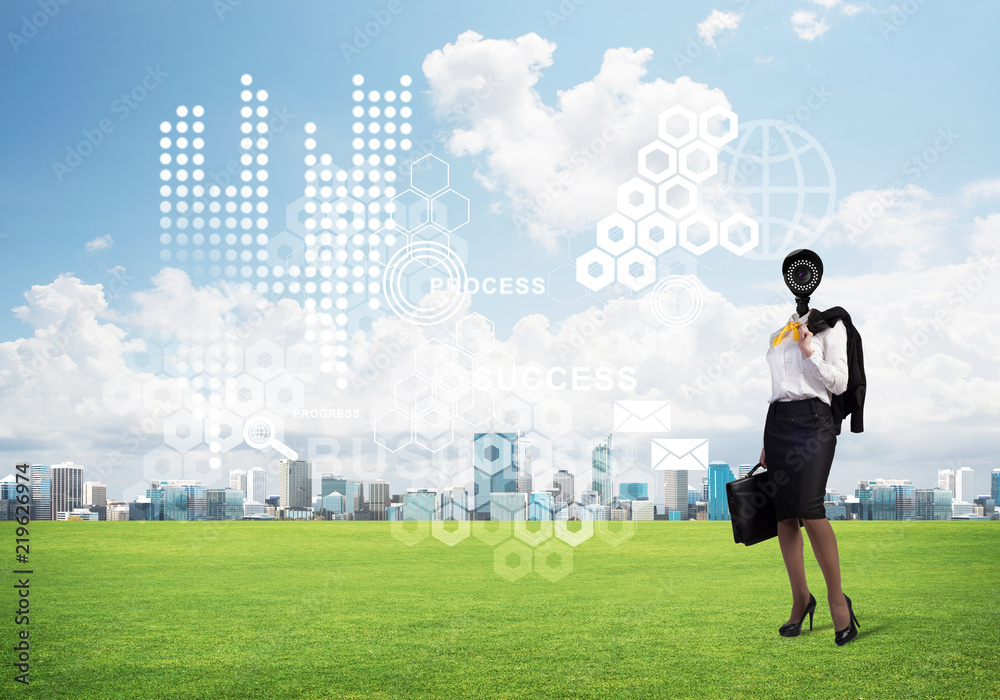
(424, 282)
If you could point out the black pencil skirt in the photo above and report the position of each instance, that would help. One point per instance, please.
(799, 442)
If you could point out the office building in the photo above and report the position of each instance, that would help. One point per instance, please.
(563, 481)
(932, 504)
(378, 499)
(602, 471)
(95, 494)
(524, 470)
(77, 514)
(633, 491)
(719, 474)
(508, 506)
(420, 504)
(965, 485)
(643, 510)
(495, 469)
(884, 503)
(224, 504)
(595, 511)
(334, 503)
(540, 506)
(41, 492)
(746, 469)
(454, 504)
(995, 485)
(589, 497)
(675, 492)
(946, 480)
(621, 509)
(256, 485)
(906, 499)
(238, 480)
(295, 484)
(351, 489)
(118, 512)
(67, 487)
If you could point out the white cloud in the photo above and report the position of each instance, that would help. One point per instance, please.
(981, 191)
(716, 23)
(550, 163)
(808, 26)
(100, 243)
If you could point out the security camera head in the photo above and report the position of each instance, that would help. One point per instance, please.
(802, 271)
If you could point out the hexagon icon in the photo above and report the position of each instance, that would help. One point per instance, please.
(284, 393)
(265, 359)
(409, 210)
(197, 465)
(450, 210)
(636, 198)
(573, 537)
(512, 560)
(698, 227)
(182, 431)
(429, 175)
(595, 270)
(657, 161)
(285, 248)
(553, 560)
(393, 430)
(616, 233)
(513, 413)
(451, 532)
(739, 223)
(244, 394)
(296, 215)
(430, 232)
(225, 428)
(698, 161)
(718, 126)
(121, 394)
(162, 463)
(656, 233)
(410, 532)
(474, 333)
(553, 417)
(533, 532)
(413, 394)
(434, 360)
(677, 125)
(163, 396)
(636, 269)
(433, 430)
(678, 197)
(492, 532)
(614, 532)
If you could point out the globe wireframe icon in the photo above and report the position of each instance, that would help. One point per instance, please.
(259, 432)
(785, 177)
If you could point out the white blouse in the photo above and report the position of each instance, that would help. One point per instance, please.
(795, 376)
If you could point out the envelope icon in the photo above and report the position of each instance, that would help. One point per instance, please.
(644, 416)
(677, 454)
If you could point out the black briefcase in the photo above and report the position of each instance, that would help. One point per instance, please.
(751, 509)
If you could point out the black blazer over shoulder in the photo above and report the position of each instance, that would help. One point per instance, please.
(852, 401)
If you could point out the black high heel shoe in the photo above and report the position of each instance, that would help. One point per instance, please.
(842, 637)
(792, 629)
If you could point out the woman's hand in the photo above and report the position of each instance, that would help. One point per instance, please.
(804, 341)
(762, 462)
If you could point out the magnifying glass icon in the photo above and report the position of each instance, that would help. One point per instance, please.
(258, 432)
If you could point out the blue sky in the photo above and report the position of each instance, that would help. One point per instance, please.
(893, 80)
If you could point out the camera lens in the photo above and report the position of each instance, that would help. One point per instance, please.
(802, 274)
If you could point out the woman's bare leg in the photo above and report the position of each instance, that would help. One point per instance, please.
(790, 540)
(824, 545)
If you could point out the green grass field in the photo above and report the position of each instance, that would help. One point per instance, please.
(345, 610)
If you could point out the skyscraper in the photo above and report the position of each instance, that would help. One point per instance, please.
(378, 498)
(524, 472)
(257, 485)
(238, 480)
(946, 480)
(508, 506)
(419, 504)
(995, 486)
(675, 491)
(350, 489)
(965, 486)
(295, 480)
(563, 481)
(454, 504)
(601, 468)
(719, 474)
(633, 490)
(67, 487)
(95, 494)
(495, 464)
(540, 506)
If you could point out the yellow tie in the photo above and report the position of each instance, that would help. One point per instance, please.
(792, 326)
